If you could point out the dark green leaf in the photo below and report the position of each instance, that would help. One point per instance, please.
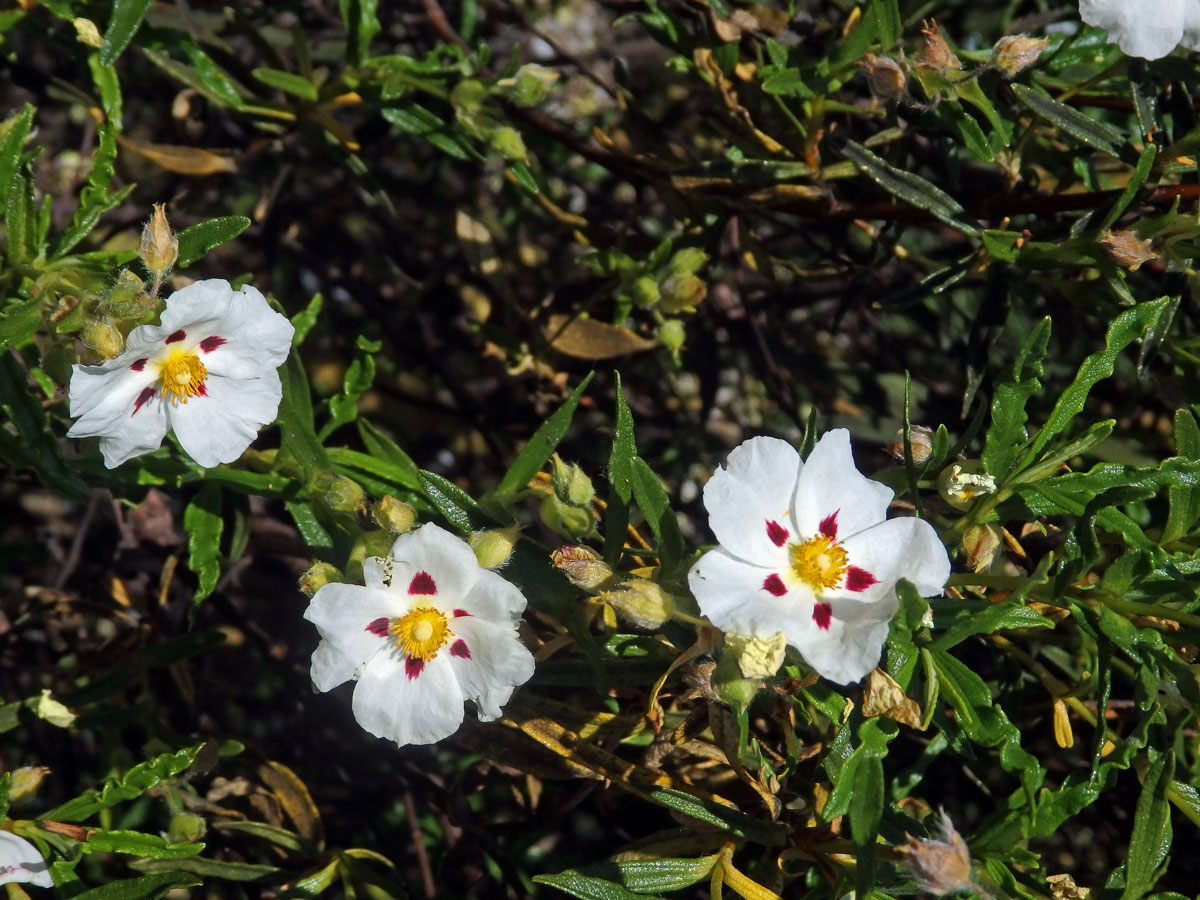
(18, 321)
(1183, 499)
(299, 439)
(652, 500)
(132, 784)
(360, 18)
(1079, 125)
(33, 447)
(1151, 838)
(198, 239)
(126, 19)
(204, 525)
(147, 887)
(586, 887)
(908, 186)
(12, 144)
(401, 468)
(723, 817)
(211, 868)
(287, 82)
(135, 843)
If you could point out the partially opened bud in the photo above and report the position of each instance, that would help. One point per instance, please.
(159, 248)
(940, 864)
(640, 602)
(1126, 250)
(936, 53)
(682, 293)
(566, 520)
(318, 575)
(1015, 52)
(885, 77)
(583, 567)
(571, 485)
(394, 515)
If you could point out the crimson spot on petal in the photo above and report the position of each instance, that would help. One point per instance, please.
(422, 583)
(176, 336)
(459, 649)
(822, 614)
(378, 626)
(413, 667)
(859, 579)
(460, 612)
(139, 364)
(774, 585)
(209, 344)
(777, 533)
(828, 526)
(145, 395)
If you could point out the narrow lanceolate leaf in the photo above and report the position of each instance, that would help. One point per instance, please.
(147, 887)
(1151, 838)
(620, 479)
(1007, 432)
(126, 19)
(12, 143)
(652, 500)
(1124, 330)
(1183, 500)
(203, 523)
(588, 887)
(534, 455)
(360, 18)
(296, 85)
(299, 439)
(909, 187)
(136, 843)
(198, 239)
(716, 814)
(1079, 125)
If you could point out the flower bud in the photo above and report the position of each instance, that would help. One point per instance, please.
(318, 575)
(186, 828)
(936, 53)
(687, 261)
(1015, 52)
(731, 686)
(981, 543)
(941, 864)
(25, 782)
(960, 483)
(671, 334)
(757, 656)
(571, 522)
(493, 548)
(681, 293)
(128, 300)
(338, 494)
(646, 293)
(508, 142)
(394, 515)
(1125, 248)
(920, 442)
(159, 248)
(886, 78)
(583, 567)
(530, 86)
(369, 543)
(86, 32)
(571, 485)
(640, 602)
(102, 338)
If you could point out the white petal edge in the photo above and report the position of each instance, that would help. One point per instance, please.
(498, 663)
(218, 427)
(729, 592)
(420, 710)
(898, 548)
(1133, 29)
(21, 862)
(754, 488)
(830, 483)
(342, 613)
(105, 398)
(257, 338)
(844, 653)
(495, 599)
(444, 556)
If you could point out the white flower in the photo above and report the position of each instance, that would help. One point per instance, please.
(20, 861)
(1149, 28)
(805, 549)
(430, 629)
(208, 370)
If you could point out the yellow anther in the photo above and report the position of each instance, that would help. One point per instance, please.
(819, 562)
(182, 376)
(421, 633)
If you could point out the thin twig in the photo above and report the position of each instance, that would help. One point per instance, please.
(418, 842)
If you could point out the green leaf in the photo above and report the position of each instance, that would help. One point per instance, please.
(18, 321)
(991, 618)
(1183, 500)
(126, 19)
(1007, 432)
(289, 83)
(535, 453)
(967, 694)
(587, 887)
(198, 239)
(132, 784)
(314, 533)
(106, 81)
(455, 504)
(18, 212)
(12, 144)
(299, 439)
(652, 500)
(620, 478)
(280, 837)
(136, 843)
(866, 811)
(360, 18)
(204, 525)
(908, 186)
(33, 447)
(1141, 172)
(211, 868)
(723, 817)
(887, 14)
(95, 199)
(1151, 838)
(1125, 328)
(147, 887)
(381, 447)
(1079, 125)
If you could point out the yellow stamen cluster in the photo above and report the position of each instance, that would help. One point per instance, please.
(819, 562)
(421, 633)
(183, 376)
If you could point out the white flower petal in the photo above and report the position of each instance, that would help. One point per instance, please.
(489, 662)
(419, 710)
(843, 653)
(255, 339)
(749, 501)
(106, 400)
(1191, 25)
(20, 861)
(218, 426)
(342, 613)
(1139, 28)
(730, 593)
(495, 599)
(831, 485)
(444, 558)
(898, 548)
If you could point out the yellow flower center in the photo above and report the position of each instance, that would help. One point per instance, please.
(421, 633)
(819, 562)
(182, 376)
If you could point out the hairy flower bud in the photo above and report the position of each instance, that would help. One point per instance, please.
(571, 485)
(936, 53)
(671, 334)
(508, 142)
(25, 782)
(393, 515)
(941, 864)
(338, 494)
(159, 248)
(640, 602)
(1015, 52)
(687, 261)
(886, 78)
(102, 338)
(86, 32)
(493, 548)
(1126, 250)
(530, 86)
(583, 567)
(681, 293)
(566, 520)
(186, 828)
(318, 575)
(646, 293)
